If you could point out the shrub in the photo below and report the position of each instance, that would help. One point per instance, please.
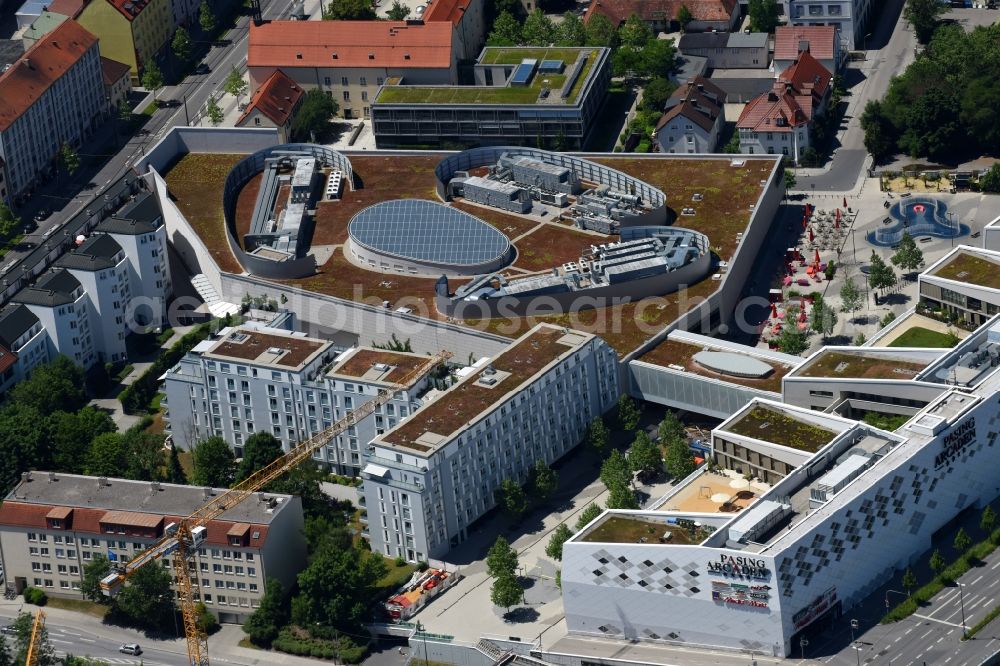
(33, 595)
(400, 561)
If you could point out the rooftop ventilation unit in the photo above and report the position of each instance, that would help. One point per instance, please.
(276, 350)
(381, 367)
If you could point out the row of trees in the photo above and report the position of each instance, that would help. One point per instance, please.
(516, 500)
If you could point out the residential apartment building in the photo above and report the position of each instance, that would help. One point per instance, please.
(351, 60)
(63, 307)
(274, 104)
(252, 379)
(139, 229)
(117, 83)
(521, 96)
(53, 95)
(24, 338)
(131, 31)
(779, 121)
(427, 480)
(661, 15)
(468, 21)
(727, 50)
(853, 18)
(52, 525)
(695, 114)
(100, 266)
(824, 42)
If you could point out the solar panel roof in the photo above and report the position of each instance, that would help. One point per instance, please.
(523, 72)
(428, 232)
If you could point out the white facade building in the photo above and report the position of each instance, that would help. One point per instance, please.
(63, 308)
(431, 477)
(23, 335)
(854, 18)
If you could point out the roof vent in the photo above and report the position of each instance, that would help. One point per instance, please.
(333, 56)
(298, 56)
(371, 56)
(406, 56)
(52, 477)
(25, 477)
(208, 492)
(102, 481)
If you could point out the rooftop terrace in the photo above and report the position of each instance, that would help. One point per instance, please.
(860, 365)
(971, 269)
(283, 350)
(378, 365)
(770, 425)
(460, 406)
(715, 492)
(676, 352)
(620, 528)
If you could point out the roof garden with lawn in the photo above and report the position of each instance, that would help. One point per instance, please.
(623, 528)
(860, 365)
(397, 92)
(971, 269)
(771, 425)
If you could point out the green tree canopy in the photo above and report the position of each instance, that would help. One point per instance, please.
(506, 31)
(53, 387)
(261, 449)
(314, 115)
(765, 15)
(598, 436)
(543, 481)
(23, 440)
(656, 93)
(988, 520)
(69, 158)
(502, 559)
(338, 586)
(880, 274)
(213, 111)
(146, 600)
(588, 514)
(214, 463)
(601, 32)
(70, 435)
(679, 460)
(658, 58)
(909, 580)
(398, 11)
(206, 18)
(670, 427)
(684, 17)
(106, 455)
(9, 222)
(181, 44)
(263, 624)
(152, 77)
(937, 562)
(512, 498)
(922, 15)
(93, 572)
(823, 318)
(235, 84)
(792, 341)
(908, 256)
(851, 298)
(571, 32)
(644, 456)
(962, 540)
(622, 497)
(538, 29)
(990, 180)
(144, 455)
(559, 536)
(628, 412)
(615, 470)
(506, 591)
(635, 32)
(175, 471)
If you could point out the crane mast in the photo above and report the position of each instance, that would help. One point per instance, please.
(180, 541)
(36, 635)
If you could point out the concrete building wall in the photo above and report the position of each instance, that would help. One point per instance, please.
(680, 135)
(69, 330)
(148, 272)
(108, 295)
(687, 391)
(854, 18)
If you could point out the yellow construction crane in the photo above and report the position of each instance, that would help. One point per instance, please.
(36, 633)
(183, 539)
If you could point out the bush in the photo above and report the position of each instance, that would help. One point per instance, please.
(32, 595)
(400, 561)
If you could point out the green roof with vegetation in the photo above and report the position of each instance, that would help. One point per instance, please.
(529, 94)
(770, 425)
(861, 365)
(617, 528)
(918, 336)
(971, 269)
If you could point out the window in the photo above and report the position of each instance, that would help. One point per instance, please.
(326, 80)
(364, 80)
(347, 95)
(343, 80)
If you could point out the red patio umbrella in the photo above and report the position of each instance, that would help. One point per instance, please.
(838, 215)
(811, 236)
(802, 315)
(774, 310)
(845, 202)
(816, 258)
(805, 221)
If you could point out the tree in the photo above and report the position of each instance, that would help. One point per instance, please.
(684, 17)
(909, 580)
(587, 515)
(206, 622)
(106, 456)
(880, 275)
(880, 139)
(93, 572)
(850, 297)
(764, 15)
(656, 93)
(235, 84)
(824, 318)
(601, 32)
(635, 33)
(175, 471)
(506, 591)
(512, 498)
(501, 560)
(790, 179)
(554, 547)
(23, 440)
(830, 270)
(303, 481)
(732, 146)
(263, 624)
(9, 222)
(679, 460)
(398, 11)
(6, 658)
(922, 15)
(657, 58)
(860, 339)
(261, 449)
(989, 181)
(182, 44)
(56, 386)
(144, 455)
(538, 29)
(571, 32)
(628, 413)
(962, 541)
(644, 457)
(670, 427)
(615, 471)
(338, 586)
(152, 77)
(213, 111)
(597, 435)
(22, 630)
(214, 463)
(506, 31)
(937, 562)
(206, 18)
(70, 435)
(69, 158)
(314, 115)
(543, 481)
(146, 600)
(908, 256)
(622, 497)
(988, 520)
(349, 10)
(792, 341)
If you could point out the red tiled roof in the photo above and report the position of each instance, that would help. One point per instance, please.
(127, 8)
(821, 39)
(113, 71)
(7, 358)
(797, 91)
(808, 73)
(691, 102)
(70, 8)
(617, 11)
(446, 10)
(275, 99)
(41, 66)
(379, 44)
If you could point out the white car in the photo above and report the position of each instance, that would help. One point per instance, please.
(130, 648)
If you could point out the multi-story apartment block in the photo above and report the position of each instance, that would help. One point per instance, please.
(351, 60)
(52, 95)
(468, 21)
(117, 83)
(100, 266)
(433, 475)
(131, 31)
(139, 229)
(52, 525)
(854, 18)
(22, 335)
(63, 307)
(254, 379)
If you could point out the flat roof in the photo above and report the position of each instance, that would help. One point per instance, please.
(779, 427)
(247, 344)
(861, 364)
(682, 354)
(436, 423)
(971, 268)
(714, 492)
(638, 528)
(377, 365)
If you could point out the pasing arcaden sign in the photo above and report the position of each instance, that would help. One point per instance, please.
(739, 567)
(955, 442)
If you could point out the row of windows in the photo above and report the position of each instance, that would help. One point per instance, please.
(344, 81)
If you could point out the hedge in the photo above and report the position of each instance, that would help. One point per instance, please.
(298, 643)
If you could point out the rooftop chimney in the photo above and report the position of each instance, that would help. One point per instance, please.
(52, 477)
(25, 477)
(102, 481)
(208, 492)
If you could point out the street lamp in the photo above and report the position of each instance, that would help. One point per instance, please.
(961, 602)
(854, 644)
(803, 642)
(420, 628)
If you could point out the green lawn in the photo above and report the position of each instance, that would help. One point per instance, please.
(924, 337)
(396, 576)
(79, 606)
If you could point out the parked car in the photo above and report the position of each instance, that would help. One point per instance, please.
(42, 215)
(130, 648)
(202, 69)
(9, 630)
